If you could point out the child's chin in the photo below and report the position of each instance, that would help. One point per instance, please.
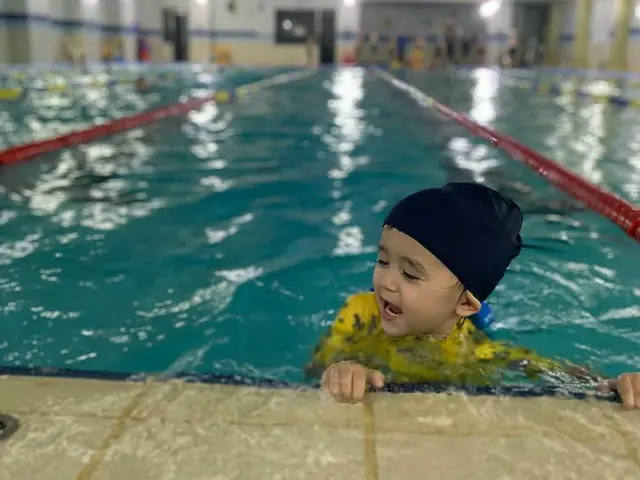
(393, 329)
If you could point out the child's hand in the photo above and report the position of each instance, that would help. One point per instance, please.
(347, 381)
(628, 387)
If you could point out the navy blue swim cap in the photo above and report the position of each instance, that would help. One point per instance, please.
(472, 229)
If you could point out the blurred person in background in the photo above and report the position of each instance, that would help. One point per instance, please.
(447, 49)
(417, 57)
(511, 59)
(311, 49)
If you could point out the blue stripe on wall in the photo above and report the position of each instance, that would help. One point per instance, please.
(566, 37)
(497, 38)
(634, 32)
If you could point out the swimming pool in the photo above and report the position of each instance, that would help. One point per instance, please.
(59, 102)
(225, 241)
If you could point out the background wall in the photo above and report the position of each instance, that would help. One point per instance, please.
(405, 18)
(428, 18)
(78, 24)
(250, 31)
(601, 33)
(45, 31)
(58, 30)
(23, 42)
(567, 35)
(634, 40)
(498, 28)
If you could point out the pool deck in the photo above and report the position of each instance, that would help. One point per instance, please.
(76, 429)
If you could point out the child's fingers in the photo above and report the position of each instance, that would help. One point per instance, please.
(346, 383)
(634, 380)
(331, 381)
(359, 384)
(625, 389)
(377, 378)
(338, 381)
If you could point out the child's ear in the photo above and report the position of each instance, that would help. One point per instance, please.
(467, 305)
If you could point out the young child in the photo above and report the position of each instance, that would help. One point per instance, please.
(442, 252)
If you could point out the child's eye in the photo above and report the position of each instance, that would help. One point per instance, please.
(382, 263)
(409, 277)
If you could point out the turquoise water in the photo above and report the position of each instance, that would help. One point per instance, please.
(224, 241)
(623, 84)
(596, 140)
(92, 99)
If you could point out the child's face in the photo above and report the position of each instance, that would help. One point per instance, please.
(416, 293)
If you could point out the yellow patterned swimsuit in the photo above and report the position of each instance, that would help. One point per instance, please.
(466, 356)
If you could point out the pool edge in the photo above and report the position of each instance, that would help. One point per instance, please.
(524, 391)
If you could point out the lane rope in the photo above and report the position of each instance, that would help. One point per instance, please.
(28, 151)
(621, 212)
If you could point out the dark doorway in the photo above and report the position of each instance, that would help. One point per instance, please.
(168, 24)
(175, 31)
(182, 39)
(328, 37)
(531, 21)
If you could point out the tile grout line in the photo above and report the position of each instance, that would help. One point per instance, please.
(116, 432)
(370, 453)
(632, 453)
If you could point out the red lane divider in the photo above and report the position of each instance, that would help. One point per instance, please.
(621, 212)
(613, 207)
(25, 152)
(30, 150)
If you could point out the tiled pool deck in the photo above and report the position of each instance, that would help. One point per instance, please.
(79, 429)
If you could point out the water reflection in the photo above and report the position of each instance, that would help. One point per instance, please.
(92, 186)
(487, 82)
(472, 163)
(348, 131)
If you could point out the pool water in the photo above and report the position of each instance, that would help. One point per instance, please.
(78, 101)
(223, 242)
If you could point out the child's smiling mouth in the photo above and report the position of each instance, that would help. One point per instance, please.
(389, 311)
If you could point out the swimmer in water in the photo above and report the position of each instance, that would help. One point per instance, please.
(442, 252)
(142, 85)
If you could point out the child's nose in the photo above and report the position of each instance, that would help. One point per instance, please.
(389, 282)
